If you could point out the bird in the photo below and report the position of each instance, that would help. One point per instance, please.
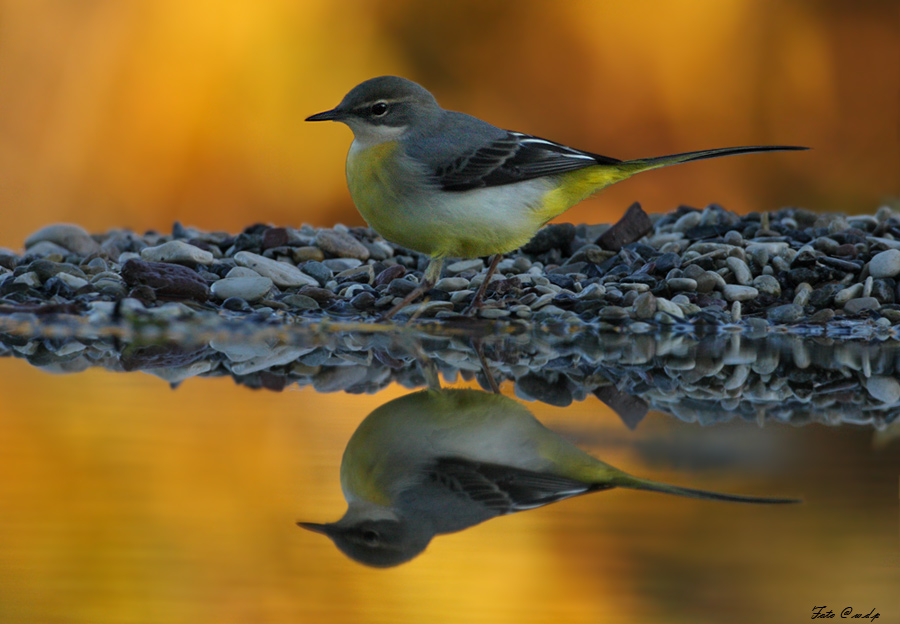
(439, 461)
(450, 185)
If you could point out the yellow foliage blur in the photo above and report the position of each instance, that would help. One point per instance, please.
(136, 113)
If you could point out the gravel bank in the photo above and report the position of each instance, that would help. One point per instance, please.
(706, 267)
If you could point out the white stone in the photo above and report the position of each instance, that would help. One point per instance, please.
(176, 251)
(885, 264)
(742, 274)
(248, 288)
(72, 281)
(282, 273)
(664, 305)
(733, 292)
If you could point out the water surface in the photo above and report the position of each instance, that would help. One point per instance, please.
(162, 482)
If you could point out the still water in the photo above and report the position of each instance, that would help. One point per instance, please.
(164, 480)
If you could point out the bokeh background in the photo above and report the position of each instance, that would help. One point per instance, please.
(136, 113)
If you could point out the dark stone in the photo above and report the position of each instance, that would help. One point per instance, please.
(8, 261)
(553, 236)
(363, 301)
(323, 296)
(402, 287)
(823, 296)
(848, 266)
(561, 280)
(701, 232)
(274, 237)
(846, 251)
(788, 313)
(553, 392)
(237, 304)
(56, 287)
(666, 262)
(803, 274)
(390, 274)
(440, 295)
(179, 232)
(247, 242)
(167, 281)
(800, 236)
(631, 409)
(884, 290)
(317, 271)
(634, 225)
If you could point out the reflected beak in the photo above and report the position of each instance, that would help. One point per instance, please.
(329, 115)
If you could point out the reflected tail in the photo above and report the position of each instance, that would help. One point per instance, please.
(633, 483)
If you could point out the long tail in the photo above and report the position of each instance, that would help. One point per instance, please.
(645, 164)
(633, 483)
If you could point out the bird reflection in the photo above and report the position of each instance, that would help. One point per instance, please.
(439, 461)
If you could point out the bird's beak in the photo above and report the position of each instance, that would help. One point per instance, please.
(329, 115)
(312, 526)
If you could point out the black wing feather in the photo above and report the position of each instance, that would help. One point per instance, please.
(512, 158)
(504, 489)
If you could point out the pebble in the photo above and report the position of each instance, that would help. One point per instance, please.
(304, 254)
(845, 295)
(338, 265)
(303, 302)
(740, 269)
(341, 245)
(251, 289)
(177, 251)
(68, 236)
(45, 249)
(885, 264)
(703, 266)
(668, 307)
(861, 304)
(72, 281)
(678, 284)
(787, 313)
(734, 292)
(281, 273)
(767, 285)
(645, 306)
(240, 271)
(462, 266)
(802, 294)
(452, 284)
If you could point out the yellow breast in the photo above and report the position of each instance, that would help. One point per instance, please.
(480, 222)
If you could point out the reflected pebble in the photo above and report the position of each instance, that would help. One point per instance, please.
(884, 389)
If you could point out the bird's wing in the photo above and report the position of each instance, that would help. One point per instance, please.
(504, 489)
(513, 157)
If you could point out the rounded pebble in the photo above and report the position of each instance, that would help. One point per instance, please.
(885, 264)
(250, 289)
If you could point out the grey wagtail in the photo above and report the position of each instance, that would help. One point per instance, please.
(449, 185)
(440, 461)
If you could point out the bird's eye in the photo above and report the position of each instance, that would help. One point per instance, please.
(379, 109)
(371, 537)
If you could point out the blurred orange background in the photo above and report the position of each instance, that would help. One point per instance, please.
(136, 113)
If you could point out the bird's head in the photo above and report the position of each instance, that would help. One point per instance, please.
(378, 543)
(382, 109)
